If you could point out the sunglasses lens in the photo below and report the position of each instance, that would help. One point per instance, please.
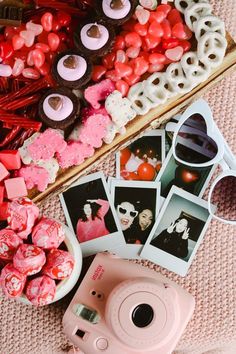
(224, 197)
(133, 214)
(193, 144)
(122, 211)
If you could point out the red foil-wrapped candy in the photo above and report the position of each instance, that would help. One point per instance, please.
(22, 214)
(29, 259)
(59, 264)
(9, 242)
(48, 234)
(41, 290)
(12, 281)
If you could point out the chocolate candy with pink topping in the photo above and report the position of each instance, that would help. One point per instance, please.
(72, 69)
(59, 108)
(94, 38)
(115, 12)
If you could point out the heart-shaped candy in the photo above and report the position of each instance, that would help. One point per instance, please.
(174, 54)
(70, 62)
(37, 29)
(178, 31)
(28, 37)
(17, 42)
(142, 15)
(55, 102)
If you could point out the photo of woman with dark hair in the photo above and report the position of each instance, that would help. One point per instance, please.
(142, 227)
(174, 239)
(91, 224)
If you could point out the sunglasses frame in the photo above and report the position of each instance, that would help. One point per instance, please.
(133, 211)
(200, 107)
(224, 157)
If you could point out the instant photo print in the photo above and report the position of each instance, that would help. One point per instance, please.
(193, 180)
(149, 149)
(178, 231)
(137, 205)
(90, 213)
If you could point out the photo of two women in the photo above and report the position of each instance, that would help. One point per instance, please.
(136, 210)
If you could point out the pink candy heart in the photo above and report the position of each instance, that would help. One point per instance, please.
(37, 29)
(178, 31)
(28, 37)
(174, 54)
(18, 67)
(17, 42)
(142, 15)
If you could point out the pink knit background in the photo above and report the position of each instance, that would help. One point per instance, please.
(211, 278)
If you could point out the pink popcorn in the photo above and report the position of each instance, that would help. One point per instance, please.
(29, 259)
(99, 92)
(12, 281)
(41, 290)
(48, 234)
(94, 130)
(59, 264)
(9, 242)
(90, 111)
(46, 145)
(35, 176)
(22, 214)
(74, 154)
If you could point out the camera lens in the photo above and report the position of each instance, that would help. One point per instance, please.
(142, 315)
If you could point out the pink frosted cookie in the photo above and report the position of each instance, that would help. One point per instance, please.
(29, 259)
(41, 290)
(35, 176)
(12, 281)
(99, 92)
(74, 154)
(22, 214)
(48, 234)
(59, 264)
(46, 145)
(9, 242)
(94, 130)
(90, 111)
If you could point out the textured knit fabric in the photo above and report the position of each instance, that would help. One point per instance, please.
(211, 278)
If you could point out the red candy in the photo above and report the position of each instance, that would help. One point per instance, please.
(112, 75)
(119, 43)
(158, 16)
(29, 259)
(98, 72)
(59, 264)
(46, 21)
(38, 57)
(41, 290)
(166, 29)
(174, 17)
(140, 67)
(109, 60)
(132, 79)
(153, 68)
(123, 87)
(142, 30)
(48, 234)
(157, 58)
(170, 43)
(123, 69)
(6, 50)
(151, 41)
(121, 56)
(63, 18)
(132, 39)
(17, 42)
(155, 29)
(53, 41)
(12, 281)
(31, 74)
(185, 45)
(164, 8)
(9, 242)
(55, 25)
(132, 52)
(43, 47)
(178, 31)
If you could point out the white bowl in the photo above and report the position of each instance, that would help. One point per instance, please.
(65, 285)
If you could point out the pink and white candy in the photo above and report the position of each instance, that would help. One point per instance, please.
(29, 259)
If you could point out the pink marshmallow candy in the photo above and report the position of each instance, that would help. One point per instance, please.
(48, 234)
(9, 242)
(29, 259)
(22, 214)
(74, 154)
(12, 281)
(35, 176)
(59, 264)
(41, 290)
(94, 130)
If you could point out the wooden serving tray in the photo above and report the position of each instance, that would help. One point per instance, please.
(151, 120)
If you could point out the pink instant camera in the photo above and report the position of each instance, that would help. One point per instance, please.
(124, 308)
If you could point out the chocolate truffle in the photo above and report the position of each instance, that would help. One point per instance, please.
(71, 69)
(94, 38)
(116, 12)
(59, 108)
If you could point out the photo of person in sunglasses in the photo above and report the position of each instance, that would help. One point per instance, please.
(136, 210)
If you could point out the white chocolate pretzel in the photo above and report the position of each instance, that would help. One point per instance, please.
(195, 12)
(157, 88)
(194, 68)
(140, 103)
(209, 24)
(211, 49)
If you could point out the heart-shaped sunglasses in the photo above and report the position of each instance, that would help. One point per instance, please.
(198, 142)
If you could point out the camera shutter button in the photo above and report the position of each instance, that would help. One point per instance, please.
(102, 344)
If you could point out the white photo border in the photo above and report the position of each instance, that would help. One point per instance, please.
(164, 259)
(154, 132)
(133, 250)
(109, 242)
(206, 183)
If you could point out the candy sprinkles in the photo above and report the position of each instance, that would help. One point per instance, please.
(74, 74)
